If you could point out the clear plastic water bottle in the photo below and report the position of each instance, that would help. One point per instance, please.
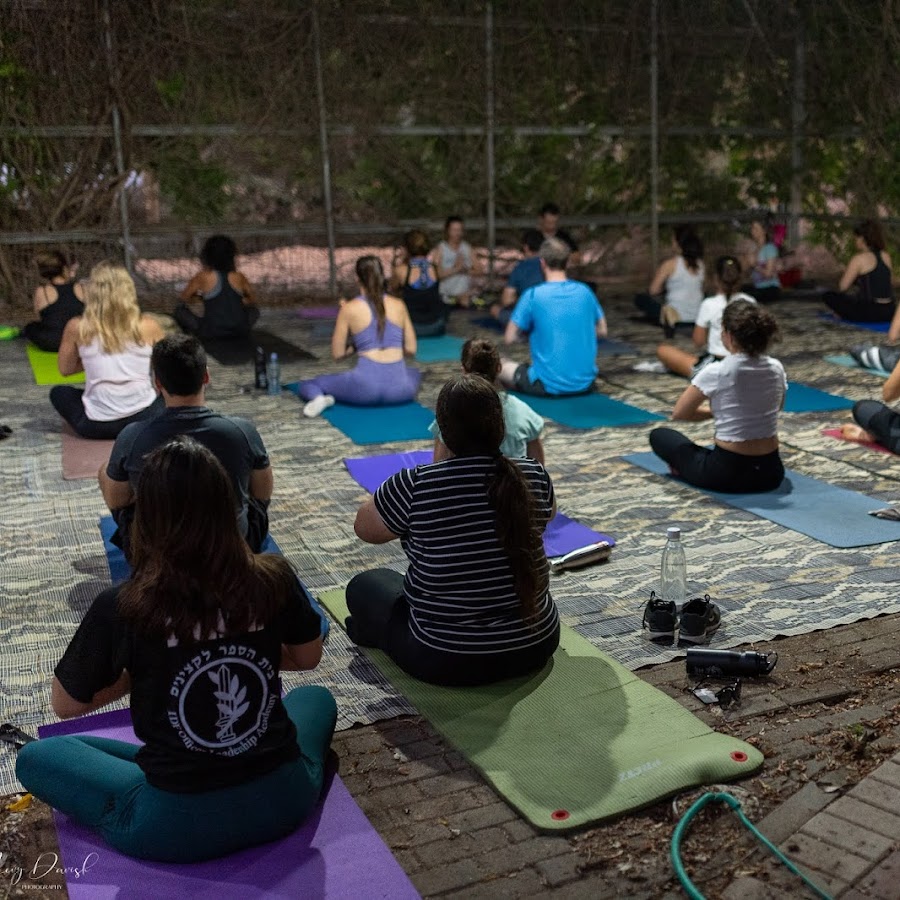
(273, 375)
(673, 571)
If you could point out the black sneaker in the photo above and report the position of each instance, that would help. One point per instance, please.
(659, 618)
(699, 619)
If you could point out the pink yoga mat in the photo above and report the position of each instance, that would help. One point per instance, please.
(836, 433)
(82, 458)
(336, 853)
(317, 312)
(563, 535)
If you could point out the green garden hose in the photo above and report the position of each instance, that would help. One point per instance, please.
(735, 806)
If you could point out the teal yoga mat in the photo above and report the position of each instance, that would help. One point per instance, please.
(802, 398)
(822, 511)
(589, 411)
(848, 362)
(445, 348)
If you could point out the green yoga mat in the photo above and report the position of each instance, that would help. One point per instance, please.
(582, 740)
(46, 370)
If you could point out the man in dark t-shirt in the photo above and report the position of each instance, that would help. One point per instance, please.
(548, 224)
(178, 364)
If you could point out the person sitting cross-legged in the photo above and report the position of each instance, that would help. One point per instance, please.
(563, 321)
(178, 364)
(475, 604)
(745, 393)
(876, 422)
(522, 425)
(197, 637)
(526, 273)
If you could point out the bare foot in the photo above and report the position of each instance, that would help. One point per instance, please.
(851, 432)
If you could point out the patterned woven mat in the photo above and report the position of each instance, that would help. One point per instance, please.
(768, 581)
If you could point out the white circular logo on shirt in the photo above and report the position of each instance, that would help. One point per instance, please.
(223, 702)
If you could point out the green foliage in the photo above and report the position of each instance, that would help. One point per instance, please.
(195, 188)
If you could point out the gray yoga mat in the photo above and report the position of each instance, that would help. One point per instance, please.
(826, 513)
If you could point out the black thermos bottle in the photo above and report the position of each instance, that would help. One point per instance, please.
(261, 380)
(727, 663)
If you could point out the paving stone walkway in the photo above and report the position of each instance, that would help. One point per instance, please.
(850, 848)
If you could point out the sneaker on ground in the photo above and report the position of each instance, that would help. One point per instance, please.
(318, 405)
(700, 617)
(654, 366)
(659, 618)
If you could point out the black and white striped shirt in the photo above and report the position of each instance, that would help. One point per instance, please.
(459, 584)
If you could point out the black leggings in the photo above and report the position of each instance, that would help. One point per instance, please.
(191, 323)
(855, 308)
(717, 469)
(763, 294)
(379, 617)
(880, 421)
(67, 401)
(42, 337)
(650, 306)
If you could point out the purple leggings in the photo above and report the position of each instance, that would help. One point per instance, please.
(370, 383)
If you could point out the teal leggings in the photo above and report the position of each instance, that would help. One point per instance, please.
(97, 782)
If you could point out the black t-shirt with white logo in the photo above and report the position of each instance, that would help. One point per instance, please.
(209, 712)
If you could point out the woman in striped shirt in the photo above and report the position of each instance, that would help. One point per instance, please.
(475, 605)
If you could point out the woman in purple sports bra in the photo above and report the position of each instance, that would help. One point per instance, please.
(377, 326)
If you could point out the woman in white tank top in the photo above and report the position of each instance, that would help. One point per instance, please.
(111, 344)
(681, 278)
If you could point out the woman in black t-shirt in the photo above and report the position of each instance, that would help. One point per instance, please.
(475, 605)
(197, 636)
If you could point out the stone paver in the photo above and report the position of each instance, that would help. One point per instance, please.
(851, 848)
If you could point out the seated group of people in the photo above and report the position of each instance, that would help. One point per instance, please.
(198, 634)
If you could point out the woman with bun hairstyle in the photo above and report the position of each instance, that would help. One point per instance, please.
(743, 394)
(708, 327)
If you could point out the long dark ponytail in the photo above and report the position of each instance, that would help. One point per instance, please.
(371, 276)
(728, 271)
(470, 418)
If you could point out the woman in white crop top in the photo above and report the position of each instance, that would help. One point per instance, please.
(681, 277)
(708, 326)
(111, 344)
(745, 392)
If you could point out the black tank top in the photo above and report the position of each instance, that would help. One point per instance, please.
(66, 306)
(876, 285)
(424, 304)
(224, 313)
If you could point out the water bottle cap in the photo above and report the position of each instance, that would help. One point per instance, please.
(274, 357)
(673, 533)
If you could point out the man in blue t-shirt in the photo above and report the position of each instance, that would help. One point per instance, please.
(178, 364)
(563, 321)
(526, 273)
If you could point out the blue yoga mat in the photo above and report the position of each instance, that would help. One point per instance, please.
(561, 536)
(802, 398)
(589, 411)
(381, 424)
(826, 513)
(445, 348)
(119, 569)
(612, 347)
(378, 424)
(880, 327)
(848, 362)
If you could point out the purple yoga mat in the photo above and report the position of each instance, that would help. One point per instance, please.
(317, 312)
(335, 853)
(563, 535)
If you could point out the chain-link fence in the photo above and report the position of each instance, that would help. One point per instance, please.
(310, 132)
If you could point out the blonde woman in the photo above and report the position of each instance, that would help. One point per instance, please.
(111, 344)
